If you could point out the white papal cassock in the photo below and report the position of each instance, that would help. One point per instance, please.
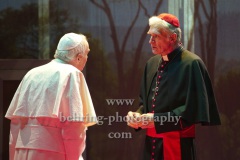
(50, 113)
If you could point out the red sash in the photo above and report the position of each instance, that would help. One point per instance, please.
(171, 141)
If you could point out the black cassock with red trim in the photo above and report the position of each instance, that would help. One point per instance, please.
(180, 87)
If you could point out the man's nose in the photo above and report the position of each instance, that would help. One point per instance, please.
(151, 40)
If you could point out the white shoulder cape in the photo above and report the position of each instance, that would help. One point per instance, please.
(55, 90)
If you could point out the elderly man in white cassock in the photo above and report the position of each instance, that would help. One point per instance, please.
(52, 106)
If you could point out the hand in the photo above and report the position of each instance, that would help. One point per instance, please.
(147, 120)
(133, 119)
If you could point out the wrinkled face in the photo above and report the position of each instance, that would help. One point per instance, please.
(161, 43)
(82, 59)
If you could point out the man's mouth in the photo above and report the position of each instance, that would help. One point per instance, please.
(154, 47)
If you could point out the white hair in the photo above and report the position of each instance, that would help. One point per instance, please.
(70, 45)
(156, 24)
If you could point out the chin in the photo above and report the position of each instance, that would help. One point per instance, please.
(156, 53)
(81, 68)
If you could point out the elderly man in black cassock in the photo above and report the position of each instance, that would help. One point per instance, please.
(176, 93)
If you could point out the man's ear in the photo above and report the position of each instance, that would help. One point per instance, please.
(173, 37)
(79, 56)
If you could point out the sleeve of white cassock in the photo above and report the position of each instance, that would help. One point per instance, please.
(74, 136)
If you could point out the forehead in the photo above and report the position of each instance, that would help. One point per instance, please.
(157, 31)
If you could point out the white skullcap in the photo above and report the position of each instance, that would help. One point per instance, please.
(69, 41)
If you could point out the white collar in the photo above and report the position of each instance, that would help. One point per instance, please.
(165, 58)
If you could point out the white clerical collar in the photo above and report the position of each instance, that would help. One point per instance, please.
(165, 58)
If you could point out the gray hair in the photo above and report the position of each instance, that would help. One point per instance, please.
(70, 45)
(156, 24)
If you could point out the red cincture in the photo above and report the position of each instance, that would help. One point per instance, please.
(171, 142)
